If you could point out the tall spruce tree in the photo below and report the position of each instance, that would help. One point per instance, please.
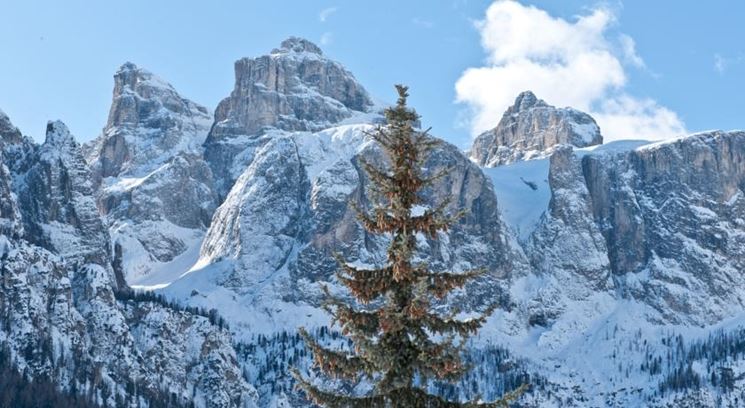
(400, 343)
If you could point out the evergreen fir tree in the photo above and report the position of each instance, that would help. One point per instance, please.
(400, 343)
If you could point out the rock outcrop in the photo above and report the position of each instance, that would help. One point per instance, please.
(672, 217)
(294, 88)
(148, 124)
(57, 201)
(658, 224)
(530, 129)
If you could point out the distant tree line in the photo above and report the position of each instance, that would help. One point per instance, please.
(265, 360)
(19, 391)
(141, 296)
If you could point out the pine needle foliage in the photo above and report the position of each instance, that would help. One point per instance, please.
(400, 342)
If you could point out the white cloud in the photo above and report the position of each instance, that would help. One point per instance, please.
(628, 46)
(627, 117)
(326, 13)
(567, 63)
(326, 38)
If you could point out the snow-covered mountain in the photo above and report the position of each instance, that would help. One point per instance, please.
(618, 266)
(65, 315)
(629, 243)
(271, 241)
(154, 187)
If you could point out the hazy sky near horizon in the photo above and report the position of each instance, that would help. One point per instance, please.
(643, 69)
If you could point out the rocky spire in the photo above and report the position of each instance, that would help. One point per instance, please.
(58, 137)
(297, 44)
(531, 128)
(14, 147)
(57, 200)
(526, 100)
(9, 134)
(148, 123)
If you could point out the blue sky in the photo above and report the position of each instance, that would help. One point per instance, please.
(685, 70)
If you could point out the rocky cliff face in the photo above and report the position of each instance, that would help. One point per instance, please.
(155, 189)
(658, 223)
(149, 123)
(671, 214)
(638, 241)
(530, 129)
(64, 316)
(57, 201)
(294, 88)
(272, 240)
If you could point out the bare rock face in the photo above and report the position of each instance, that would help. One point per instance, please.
(148, 123)
(154, 188)
(294, 88)
(568, 239)
(530, 129)
(671, 214)
(57, 201)
(661, 223)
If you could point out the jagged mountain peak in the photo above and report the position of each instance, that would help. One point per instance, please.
(526, 100)
(152, 183)
(531, 128)
(297, 45)
(58, 134)
(149, 122)
(295, 88)
(130, 77)
(137, 87)
(8, 132)
(15, 148)
(128, 66)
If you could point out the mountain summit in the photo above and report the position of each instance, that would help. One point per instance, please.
(149, 122)
(294, 88)
(530, 128)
